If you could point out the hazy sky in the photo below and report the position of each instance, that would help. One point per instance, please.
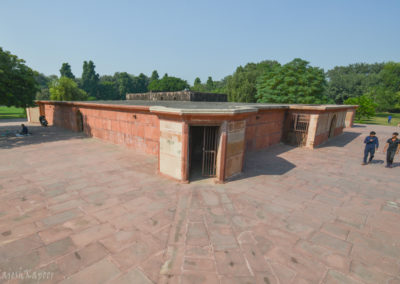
(197, 38)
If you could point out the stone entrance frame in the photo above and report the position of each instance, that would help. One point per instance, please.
(162, 129)
(174, 140)
(326, 121)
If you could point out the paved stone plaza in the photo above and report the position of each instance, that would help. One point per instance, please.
(90, 212)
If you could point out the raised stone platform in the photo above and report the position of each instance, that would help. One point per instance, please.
(86, 211)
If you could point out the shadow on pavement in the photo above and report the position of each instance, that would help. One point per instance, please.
(38, 134)
(377, 162)
(266, 162)
(341, 140)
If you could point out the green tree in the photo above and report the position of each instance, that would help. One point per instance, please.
(17, 81)
(66, 89)
(198, 86)
(140, 83)
(353, 80)
(168, 84)
(366, 106)
(386, 93)
(197, 82)
(154, 76)
(125, 84)
(108, 91)
(241, 86)
(385, 99)
(43, 82)
(221, 85)
(210, 84)
(43, 94)
(295, 82)
(66, 71)
(90, 79)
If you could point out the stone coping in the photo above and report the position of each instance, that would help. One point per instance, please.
(185, 107)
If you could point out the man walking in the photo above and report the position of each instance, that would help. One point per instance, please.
(389, 119)
(391, 148)
(371, 144)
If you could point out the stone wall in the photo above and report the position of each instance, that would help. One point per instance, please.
(350, 117)
(235, 148)
(178, 96)
(264, 129)
(171, 154)
(324, 123)
(133, 129)
(32, 114)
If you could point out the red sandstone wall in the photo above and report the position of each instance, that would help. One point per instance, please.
(62, 116)
(264, 129)
(323, 126)
(319, 139)
(133, 129)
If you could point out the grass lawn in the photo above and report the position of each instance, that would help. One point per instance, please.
(381, 119)
(12, 112)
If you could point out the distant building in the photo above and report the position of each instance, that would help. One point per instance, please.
(191, 135)
(179, 96)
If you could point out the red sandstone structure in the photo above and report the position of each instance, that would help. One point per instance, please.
(200, 138)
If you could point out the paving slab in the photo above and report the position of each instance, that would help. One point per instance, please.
(86, 211)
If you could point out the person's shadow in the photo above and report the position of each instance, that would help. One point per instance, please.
(379, 162)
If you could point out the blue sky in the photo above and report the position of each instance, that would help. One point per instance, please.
(197, 38)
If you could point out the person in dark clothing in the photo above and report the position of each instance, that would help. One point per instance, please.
(42, 120)
(24, 130)
(391, 148)
(371, 144)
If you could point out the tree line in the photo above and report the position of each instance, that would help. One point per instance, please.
(92, 86)
(376, 86)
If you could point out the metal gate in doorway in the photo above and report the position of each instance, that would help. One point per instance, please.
(298, 129)
(210, 141)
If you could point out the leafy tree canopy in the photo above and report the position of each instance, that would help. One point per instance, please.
(241, 86)
(197, 82)
(386, 92)
(43, 81)
(294, 82)
(366, 106)
(17, 81)
(154, 76)
(168, 84)
(90, 79)
(108, 90)
(210, 86)
(66, 71)
(353, 80)
(66, 89)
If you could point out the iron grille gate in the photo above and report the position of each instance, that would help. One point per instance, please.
(299, 128)
(209, 151)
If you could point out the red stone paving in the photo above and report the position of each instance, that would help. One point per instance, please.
(85, 211)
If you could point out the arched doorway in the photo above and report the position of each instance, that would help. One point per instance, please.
(332, 127)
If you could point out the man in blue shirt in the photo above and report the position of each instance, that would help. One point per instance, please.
(371, 144)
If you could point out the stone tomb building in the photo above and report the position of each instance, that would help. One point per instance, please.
(195, 139)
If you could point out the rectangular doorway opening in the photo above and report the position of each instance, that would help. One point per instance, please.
(203, 145)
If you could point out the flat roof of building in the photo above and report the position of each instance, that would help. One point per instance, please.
(188, 107)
